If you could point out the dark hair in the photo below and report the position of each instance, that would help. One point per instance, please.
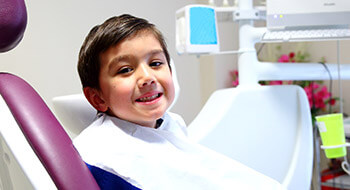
(109, 33)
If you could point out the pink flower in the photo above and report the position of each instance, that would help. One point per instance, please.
(312, 97)
(284, 59)
(235, 83)
(308, 91)
(235, 80)
(291, 55)
(290, 82)
(332, 101)
(317, 97)
(314, 85)
(309, 95)
(234, 73)
(323, 93)
(277, 82)
(319, 103)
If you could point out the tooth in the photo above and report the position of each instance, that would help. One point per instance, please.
(148, 98)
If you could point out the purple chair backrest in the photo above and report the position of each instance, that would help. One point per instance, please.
(13, 21)
(46, 136)
(40, 127)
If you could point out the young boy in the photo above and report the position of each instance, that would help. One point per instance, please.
(125, 72)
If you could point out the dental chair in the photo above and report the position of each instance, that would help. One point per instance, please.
(35, 151)
(267, 128)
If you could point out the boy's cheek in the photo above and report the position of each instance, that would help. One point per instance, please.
(171, 92)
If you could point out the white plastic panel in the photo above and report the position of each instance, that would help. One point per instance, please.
(196, 30)
(267, 128)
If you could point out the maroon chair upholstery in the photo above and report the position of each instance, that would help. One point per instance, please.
(40, 127)
(46, 136)
(13, 21)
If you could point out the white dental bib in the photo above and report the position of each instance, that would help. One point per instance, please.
(163, 158)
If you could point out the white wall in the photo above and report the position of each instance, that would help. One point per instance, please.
(47, 56)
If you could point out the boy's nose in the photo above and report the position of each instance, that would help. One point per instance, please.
(148, 82)
(146, 76)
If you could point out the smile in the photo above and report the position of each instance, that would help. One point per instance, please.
(149, 98)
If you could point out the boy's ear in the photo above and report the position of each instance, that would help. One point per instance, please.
(95, 99)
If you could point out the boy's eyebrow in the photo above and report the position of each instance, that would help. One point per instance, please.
(118, 59)
(155, 52)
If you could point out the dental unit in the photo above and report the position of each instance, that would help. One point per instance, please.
(267, 128)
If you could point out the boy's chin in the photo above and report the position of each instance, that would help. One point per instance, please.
(155, 115)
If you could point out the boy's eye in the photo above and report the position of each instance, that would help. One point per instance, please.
(125, 70)
(155, 64)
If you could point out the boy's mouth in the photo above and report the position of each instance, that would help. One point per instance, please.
(149, 98)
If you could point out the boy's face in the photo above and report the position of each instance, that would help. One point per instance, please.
(135, 80)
